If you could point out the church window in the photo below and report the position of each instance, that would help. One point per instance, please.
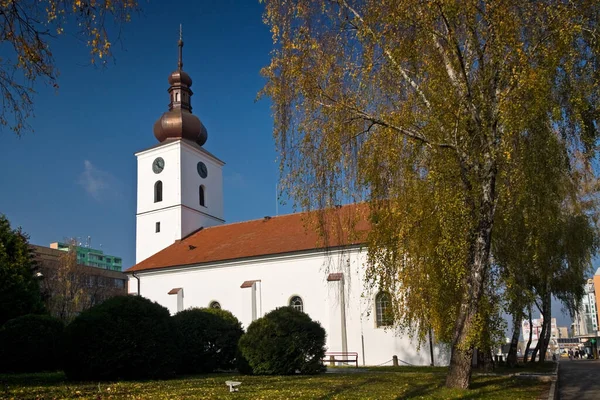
(215, 304)
(158, 191)
(383, 309)
(201, 195)
(176, 96)
(157, 227)
(297, 303)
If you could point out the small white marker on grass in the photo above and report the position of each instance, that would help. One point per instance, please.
(233, 385)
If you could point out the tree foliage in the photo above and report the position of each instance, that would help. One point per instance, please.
(19, 288)
(425, 109)
(28, 27)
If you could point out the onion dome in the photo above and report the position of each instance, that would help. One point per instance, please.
(179, 122)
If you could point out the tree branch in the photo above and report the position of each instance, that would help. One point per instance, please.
(386, 51)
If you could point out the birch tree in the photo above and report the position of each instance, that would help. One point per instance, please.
(418, 107)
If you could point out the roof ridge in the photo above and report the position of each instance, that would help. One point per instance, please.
(280, 216)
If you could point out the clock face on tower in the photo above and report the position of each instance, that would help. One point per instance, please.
(202, 170)
(158, 165)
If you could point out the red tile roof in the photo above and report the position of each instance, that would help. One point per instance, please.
(262, 237)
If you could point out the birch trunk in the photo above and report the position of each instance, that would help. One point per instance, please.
(546, 331)
(459, 374)
(511, 358)
(529, 339)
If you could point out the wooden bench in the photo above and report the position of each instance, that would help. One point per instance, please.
(340, 356)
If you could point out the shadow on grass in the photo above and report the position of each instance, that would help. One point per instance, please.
(33, 379)
(496, 388)
(349, 387)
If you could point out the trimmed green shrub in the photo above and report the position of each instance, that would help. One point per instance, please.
(208, 339)
(126, 337)
(283, 342)
(31, 343)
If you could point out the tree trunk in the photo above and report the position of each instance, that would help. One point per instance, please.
(431, 345)
(511, 358)
(530, 337)
(459, 373)
(538, 346)
(544, 337)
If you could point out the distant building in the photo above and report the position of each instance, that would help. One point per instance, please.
(92, 257)
(536, 329)
(586, 319)
(536, 333)
(68, 291)
(563, 332)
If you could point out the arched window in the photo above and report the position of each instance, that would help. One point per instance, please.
(176, 96)
(383, 309)
(215, 304)
(201, 195)
(297, 303)
(158, 191)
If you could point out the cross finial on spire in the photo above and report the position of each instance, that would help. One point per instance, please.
(180, 63)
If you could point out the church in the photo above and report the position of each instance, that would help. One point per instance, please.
(188, 256)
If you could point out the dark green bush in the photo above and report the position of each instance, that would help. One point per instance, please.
(283, 342)
(126, 337)
(208, 339)
(31, 343)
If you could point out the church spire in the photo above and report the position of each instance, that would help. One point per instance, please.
(179, 122)
(180, 44)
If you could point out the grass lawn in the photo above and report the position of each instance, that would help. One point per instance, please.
(377, 383)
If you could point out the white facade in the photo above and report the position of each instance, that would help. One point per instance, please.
(347, 315)
(585, 320)
(178, 212)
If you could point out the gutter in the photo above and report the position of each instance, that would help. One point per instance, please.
(138, 285)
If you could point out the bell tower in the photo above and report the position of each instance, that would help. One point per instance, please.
(180, 184)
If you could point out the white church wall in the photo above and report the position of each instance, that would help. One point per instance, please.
(281, 277)
(149, 241)
(191, 181)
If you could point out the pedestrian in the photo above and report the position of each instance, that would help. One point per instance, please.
(570, 352)
(576, 354)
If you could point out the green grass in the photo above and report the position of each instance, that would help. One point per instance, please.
(409, 383)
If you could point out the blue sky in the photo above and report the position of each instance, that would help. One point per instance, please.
(75, 176)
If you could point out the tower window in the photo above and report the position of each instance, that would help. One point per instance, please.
(215, 304)
(158, 191)
(176, 96)
(157, 227)
(201, 196)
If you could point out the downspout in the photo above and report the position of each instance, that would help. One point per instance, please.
(138, 279)
(343, 316)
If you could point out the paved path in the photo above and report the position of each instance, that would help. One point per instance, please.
(578, 379)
